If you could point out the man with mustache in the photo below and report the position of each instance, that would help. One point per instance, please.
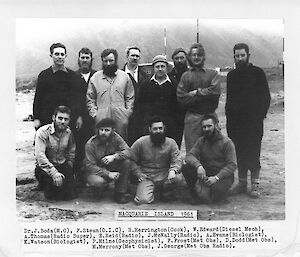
(137, 76)
(210, 164)
(110, 93)
(87, 128)
(55, 154)
(105, 161)
(199, 91)
(180, 66)
(247, 104)
(157, 162)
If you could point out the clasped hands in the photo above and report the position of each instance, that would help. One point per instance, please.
(201, 173)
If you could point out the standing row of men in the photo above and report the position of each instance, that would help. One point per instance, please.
(185, 100)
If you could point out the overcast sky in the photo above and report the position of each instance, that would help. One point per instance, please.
(29, 30)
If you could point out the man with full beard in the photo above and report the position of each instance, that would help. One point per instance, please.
(157, 162)
(105, 161)
(110, 93)
(180, 66)
(55, 154)
(210, 164)
(86, 128)
(199, 91)
(247, 104)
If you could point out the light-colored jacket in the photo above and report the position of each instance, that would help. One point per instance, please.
(111, 98)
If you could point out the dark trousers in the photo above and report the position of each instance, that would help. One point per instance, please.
(247, 140)
(65, 192)
(81, 137)
(217, 191)
(121, 185)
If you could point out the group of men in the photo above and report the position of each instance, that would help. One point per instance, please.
(94, 127)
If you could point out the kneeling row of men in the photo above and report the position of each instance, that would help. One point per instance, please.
(154, 159)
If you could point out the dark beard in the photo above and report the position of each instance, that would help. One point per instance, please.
(181, 67)
(110, 70)
(242, 65)
(158, 139)
(103, 139)
(209, 136)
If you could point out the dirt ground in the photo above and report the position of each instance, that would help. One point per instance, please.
(32, 206)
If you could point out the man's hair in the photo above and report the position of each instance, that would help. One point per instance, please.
(197, 46)
(85, 50)
(106, 122)
(211, 116)
(127, 50)
(57, 45)
(154, 119)
(241, 46)
(62, 109)
(178, 50)
(109, 51)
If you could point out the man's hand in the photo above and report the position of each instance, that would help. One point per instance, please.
(171, 176)
(108, 159)
(79, 123)
(36, 123)
(142, 177)
(201, 172)
(58, 179)
(113, 175)
(210, 180)
(194, 92)
(70, 164)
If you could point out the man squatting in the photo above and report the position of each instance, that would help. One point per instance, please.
(154, 157)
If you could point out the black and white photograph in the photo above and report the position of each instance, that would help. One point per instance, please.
(155, 114)
(155, 129)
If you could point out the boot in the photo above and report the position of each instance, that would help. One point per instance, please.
(121, 197)
(254, 193)
(239, 188)
(195, 198)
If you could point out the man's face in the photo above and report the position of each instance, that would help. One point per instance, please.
(133, 56)
(109, 65)
(197, 57)
(84, 61)
(241, 58)
(157, 133)
(105, 133)
(58, 56)
(208, 128)
(61, 121)
(160, 69)
(180, 60)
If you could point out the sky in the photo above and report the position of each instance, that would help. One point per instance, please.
(32, 29)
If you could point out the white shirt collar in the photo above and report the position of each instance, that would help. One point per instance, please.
(135, 72)
(161, 82)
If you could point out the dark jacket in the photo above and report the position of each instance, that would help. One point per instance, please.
(248, 96)
(52, 90)
(142, 77)
(154, 99)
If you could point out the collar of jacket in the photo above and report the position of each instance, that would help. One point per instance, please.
(52, 130)
(162, 82)
(55, 69)
(198, 69)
